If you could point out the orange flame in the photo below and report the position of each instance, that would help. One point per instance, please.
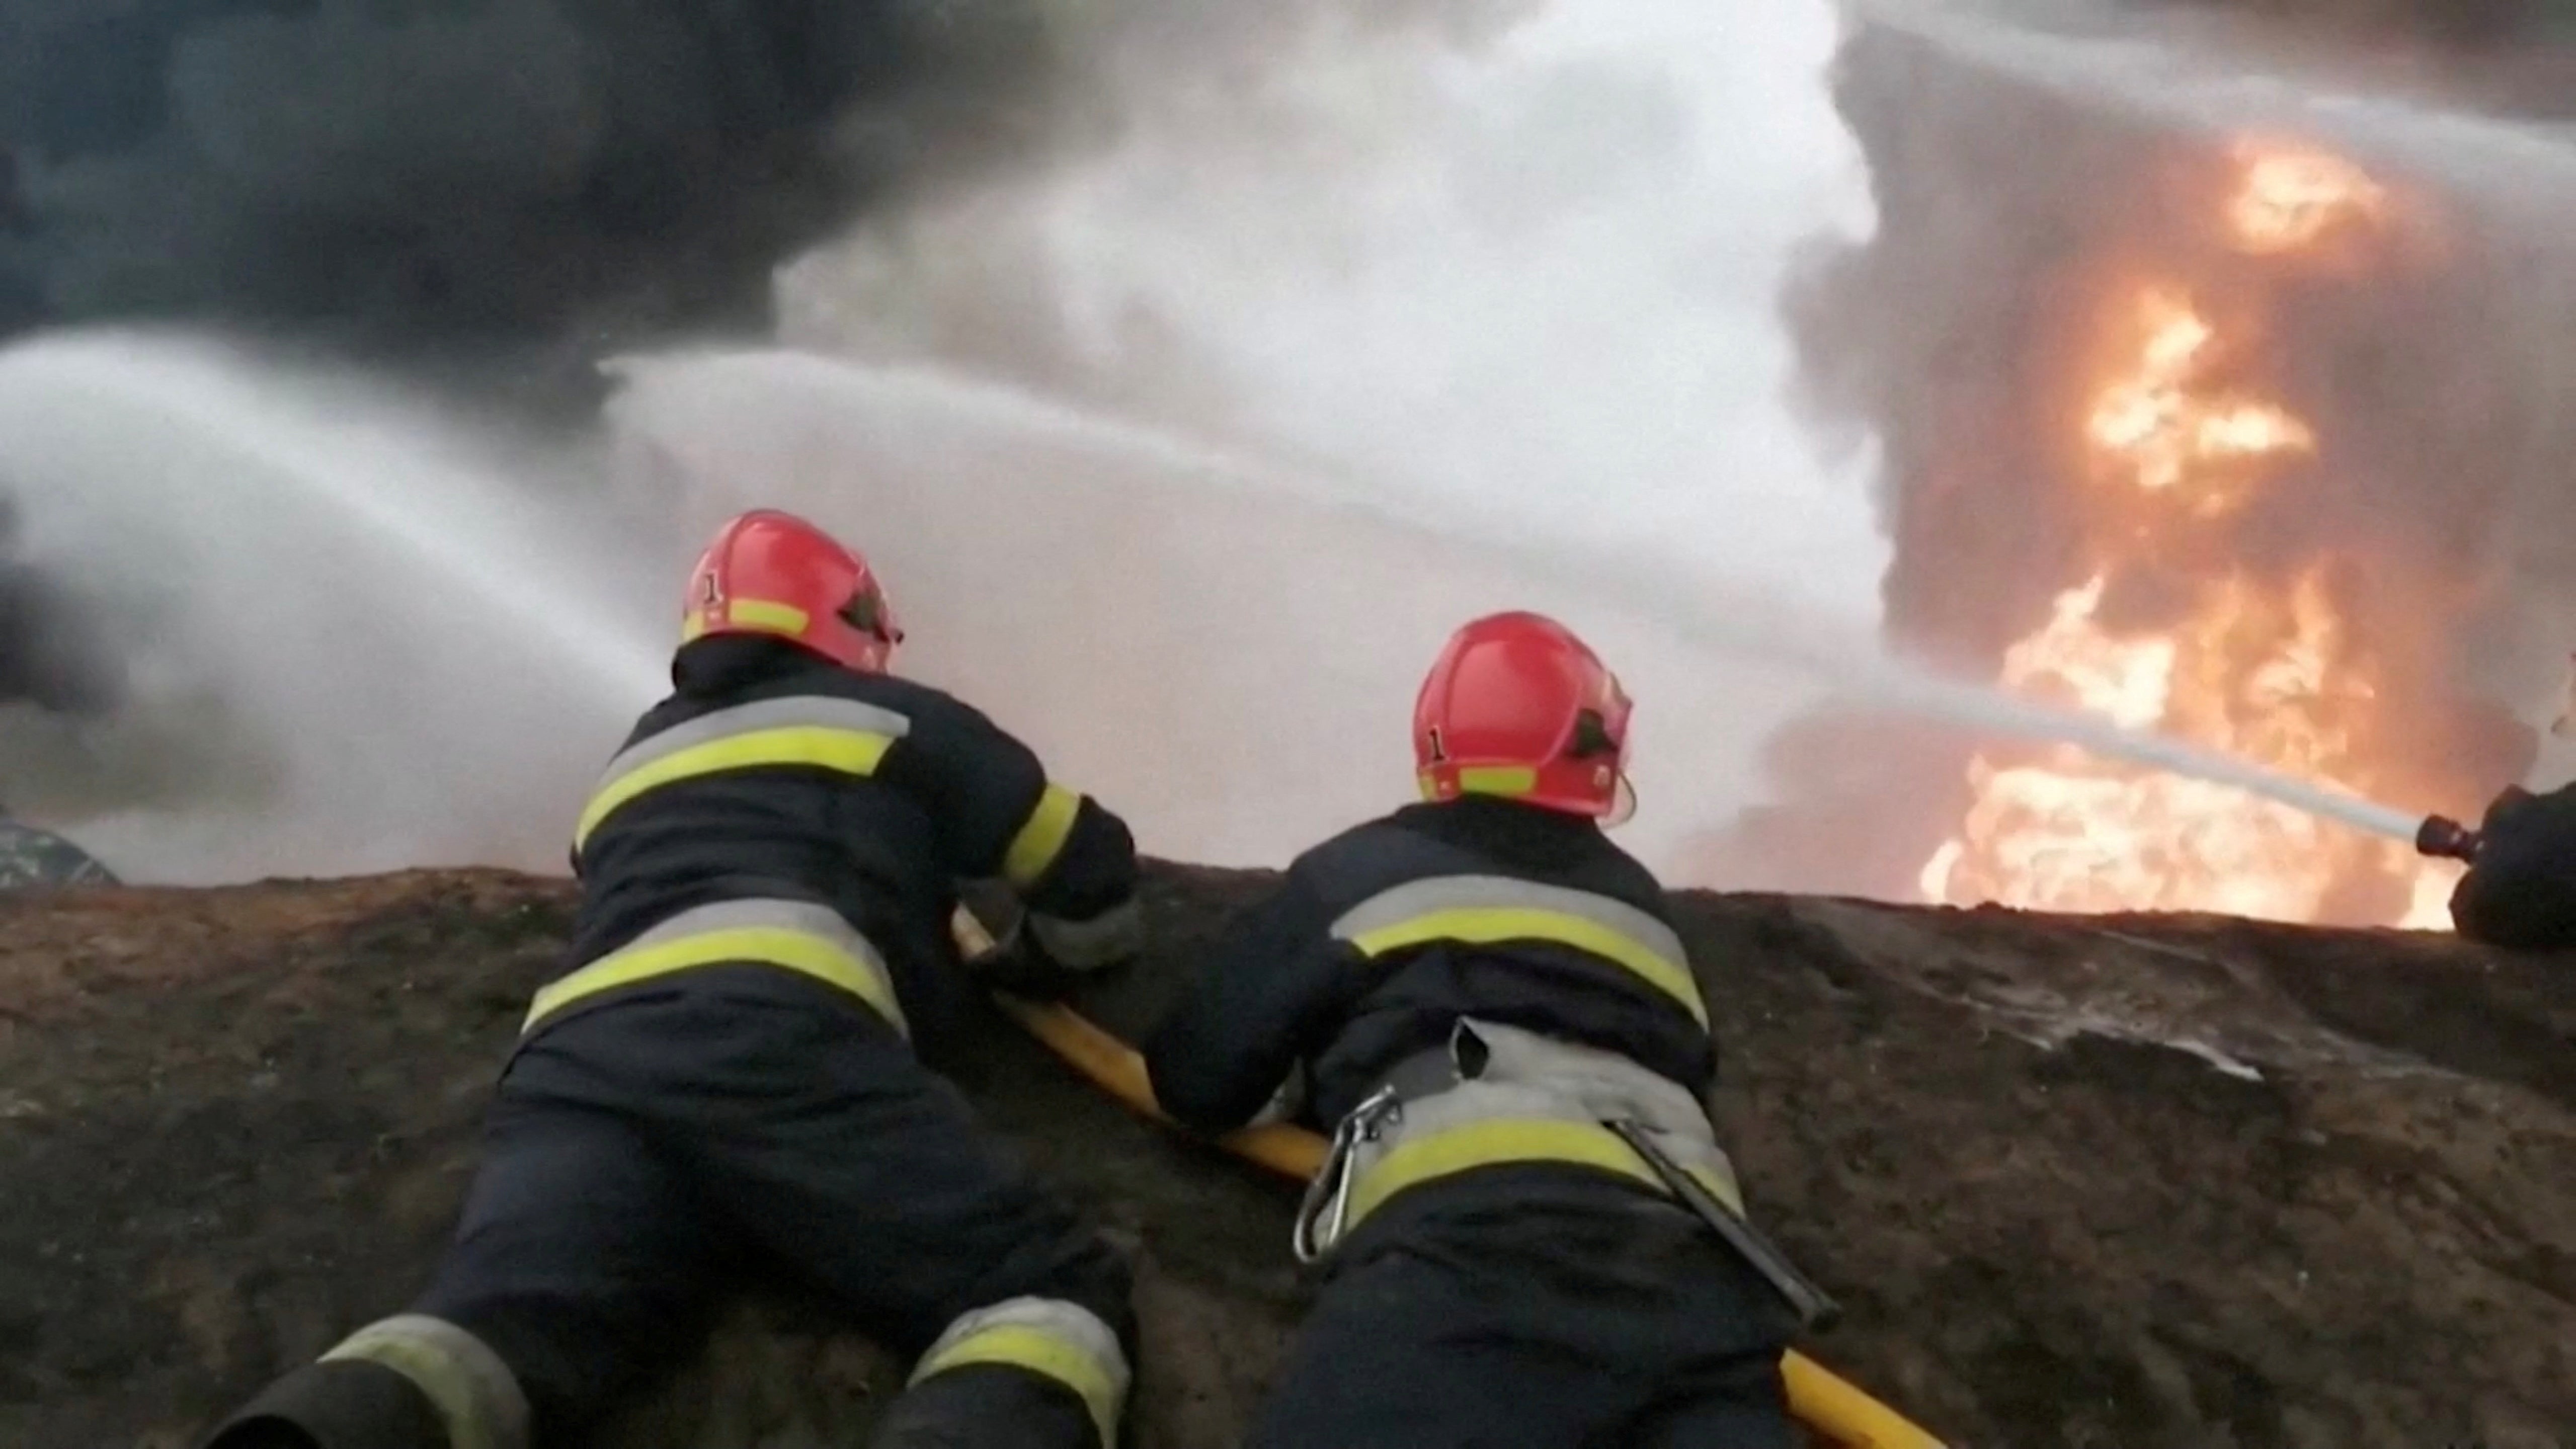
(2168, 434)
(2262, 668)
(2289, 198)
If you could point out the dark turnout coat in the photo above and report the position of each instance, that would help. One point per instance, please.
(2522, 890)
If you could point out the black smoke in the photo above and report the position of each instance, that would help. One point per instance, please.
(410, 174)
(419, 176)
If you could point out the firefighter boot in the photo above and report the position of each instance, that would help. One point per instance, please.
(345, 1404)
(409, 1382)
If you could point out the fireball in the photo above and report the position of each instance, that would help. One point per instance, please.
(2254, 662)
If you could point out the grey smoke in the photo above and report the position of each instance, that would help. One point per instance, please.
(487, 191)
(1314, 248)
(493, 194)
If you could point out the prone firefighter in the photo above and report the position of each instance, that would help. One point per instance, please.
(724, 1076)
(1530, 1234)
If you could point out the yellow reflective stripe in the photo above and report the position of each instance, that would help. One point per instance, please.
(1509, 780)
(767, 614)
(798, 951)
(848, 752)
(822, 731)
(1493, 909)
(1721, 1188)
(1039, 1352)
(1491, 1143)
(1491, 925)
(763, 614)
(1042, 838)
(1497, 779)
(1497, 1141)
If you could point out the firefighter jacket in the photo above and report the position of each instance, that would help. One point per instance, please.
(779, 817)
(1381, 939)
(2521, 893)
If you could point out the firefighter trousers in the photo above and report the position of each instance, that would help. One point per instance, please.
(1534, 1307)
(646, 1156)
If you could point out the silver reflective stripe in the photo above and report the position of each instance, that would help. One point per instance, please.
(1464, 907)
(759, 913)
(1051, 1337)
(475, 1392)
(1106, 939)
(808, 711)
(1607, 1086)
(1502, 892)
(815, 731)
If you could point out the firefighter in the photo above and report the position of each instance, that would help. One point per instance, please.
(32, 858)
(1525, 1216)
(723, 1077)
(2520, 891)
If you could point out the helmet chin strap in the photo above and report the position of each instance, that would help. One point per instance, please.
(1623, 804)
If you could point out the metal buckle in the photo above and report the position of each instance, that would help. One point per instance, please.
(1328, 1196)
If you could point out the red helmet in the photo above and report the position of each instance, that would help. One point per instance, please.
(769, 572)
(1517, 706)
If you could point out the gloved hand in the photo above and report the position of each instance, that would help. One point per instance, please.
(1020, 965)
(1008, 948)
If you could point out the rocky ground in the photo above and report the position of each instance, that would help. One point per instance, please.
(2146, 1183)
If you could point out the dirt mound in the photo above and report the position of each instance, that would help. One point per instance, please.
(2111, 1182)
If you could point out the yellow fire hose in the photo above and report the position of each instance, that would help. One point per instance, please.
(1818, 1397)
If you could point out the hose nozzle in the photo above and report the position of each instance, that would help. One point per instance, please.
(2440, 835)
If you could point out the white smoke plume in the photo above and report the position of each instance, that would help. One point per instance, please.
(1510, 282)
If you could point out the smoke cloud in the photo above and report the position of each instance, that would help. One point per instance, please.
(445, 174)
(458, 171)
(1482, 288)
(495, 193)
(2024, 179)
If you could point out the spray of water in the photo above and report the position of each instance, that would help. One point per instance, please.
(1528, 299)
(1998, 713)
(1718, 616)
(2175, 71)
(1535, 275)
(360, 643)
(1223, 647)
(320, 454)
(351, 638)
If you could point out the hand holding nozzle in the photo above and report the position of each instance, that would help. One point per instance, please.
(2440, 835)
